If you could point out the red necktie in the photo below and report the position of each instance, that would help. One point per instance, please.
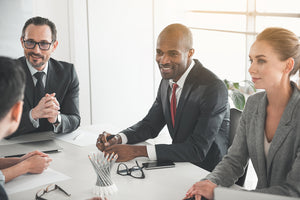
(173, 103)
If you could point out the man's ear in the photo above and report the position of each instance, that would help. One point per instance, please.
(191, 53)
(16, 112)
(13, 118)
(55, 43)
(22, 43)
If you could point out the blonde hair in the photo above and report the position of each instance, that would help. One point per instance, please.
(284, 42)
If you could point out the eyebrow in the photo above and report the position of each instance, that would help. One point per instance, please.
(258, 56)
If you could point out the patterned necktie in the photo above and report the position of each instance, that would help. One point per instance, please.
(173, 103)
(39, 90)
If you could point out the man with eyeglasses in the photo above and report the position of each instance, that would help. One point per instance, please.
(51, 101)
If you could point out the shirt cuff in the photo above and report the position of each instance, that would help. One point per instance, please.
(151, 152)
(56, 129)
(2, 178)
(35, 123)
(124, 138)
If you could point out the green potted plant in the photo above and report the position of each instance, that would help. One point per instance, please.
(239, 91)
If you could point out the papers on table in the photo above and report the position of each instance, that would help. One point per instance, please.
(29, 181)
(86, 135)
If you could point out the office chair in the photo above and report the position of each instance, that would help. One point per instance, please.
(235, 116)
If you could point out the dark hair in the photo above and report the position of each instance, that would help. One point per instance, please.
(284, 42)
(12, 84)
(39, 21)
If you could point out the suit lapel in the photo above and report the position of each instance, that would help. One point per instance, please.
(29, 89)
(52, 78)
(259, 124)
(186, 91)
(284, 127)
(165, 93)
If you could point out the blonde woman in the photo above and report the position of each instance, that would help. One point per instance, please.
(269, 129)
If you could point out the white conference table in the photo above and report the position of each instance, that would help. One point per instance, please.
(168, 183)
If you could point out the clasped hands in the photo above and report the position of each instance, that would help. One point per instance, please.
(48, 107)
(109, 145)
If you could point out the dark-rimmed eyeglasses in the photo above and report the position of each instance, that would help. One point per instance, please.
(30, 44)
(49, 188)
(135, 171)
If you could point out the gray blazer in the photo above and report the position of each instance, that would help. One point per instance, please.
(279, 173)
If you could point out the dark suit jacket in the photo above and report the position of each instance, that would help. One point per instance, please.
(61, 79)
(201, 132)
(3, 195)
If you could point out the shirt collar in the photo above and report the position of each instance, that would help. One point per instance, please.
(33, 70)
(181, 81)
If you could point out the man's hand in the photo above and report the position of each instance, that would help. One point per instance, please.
(56, 107)
(202, 189)
(37, 164)
(126, 152)
(48, 107)
(103, 143)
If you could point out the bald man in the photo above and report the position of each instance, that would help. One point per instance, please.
(191, 100)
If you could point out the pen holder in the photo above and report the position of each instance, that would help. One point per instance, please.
(102, 165)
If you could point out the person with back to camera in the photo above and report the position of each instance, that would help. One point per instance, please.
(191, 100)
(12, 82)
(269, 129)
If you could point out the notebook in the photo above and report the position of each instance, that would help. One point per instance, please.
(20, 145)
(221, 193)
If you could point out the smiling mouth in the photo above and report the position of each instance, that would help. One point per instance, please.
(35, 56)
(165, 69)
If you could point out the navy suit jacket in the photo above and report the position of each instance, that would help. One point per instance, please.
(201, 132)
(61, 79)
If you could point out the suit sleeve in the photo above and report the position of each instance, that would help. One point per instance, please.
(70, 117)
(212, 108)
(25, 124)
(227, 172)
(150, 126)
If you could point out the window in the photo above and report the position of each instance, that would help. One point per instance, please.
(225, 30)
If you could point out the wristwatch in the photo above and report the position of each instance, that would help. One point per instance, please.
(58, 120)
(118, 137)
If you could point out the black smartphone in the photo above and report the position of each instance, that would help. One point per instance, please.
(158, 165)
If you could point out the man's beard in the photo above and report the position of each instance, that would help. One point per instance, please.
(36, 65)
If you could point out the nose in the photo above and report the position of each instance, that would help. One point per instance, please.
(164, 59)
(36, 49)
(252, 68)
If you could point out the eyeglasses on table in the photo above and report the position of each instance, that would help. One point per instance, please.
(135, 171)
(49, 188)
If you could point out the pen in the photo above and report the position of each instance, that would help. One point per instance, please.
(76, 136)
(110, 137)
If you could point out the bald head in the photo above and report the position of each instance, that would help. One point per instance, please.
(177, 33)
(174, 51)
